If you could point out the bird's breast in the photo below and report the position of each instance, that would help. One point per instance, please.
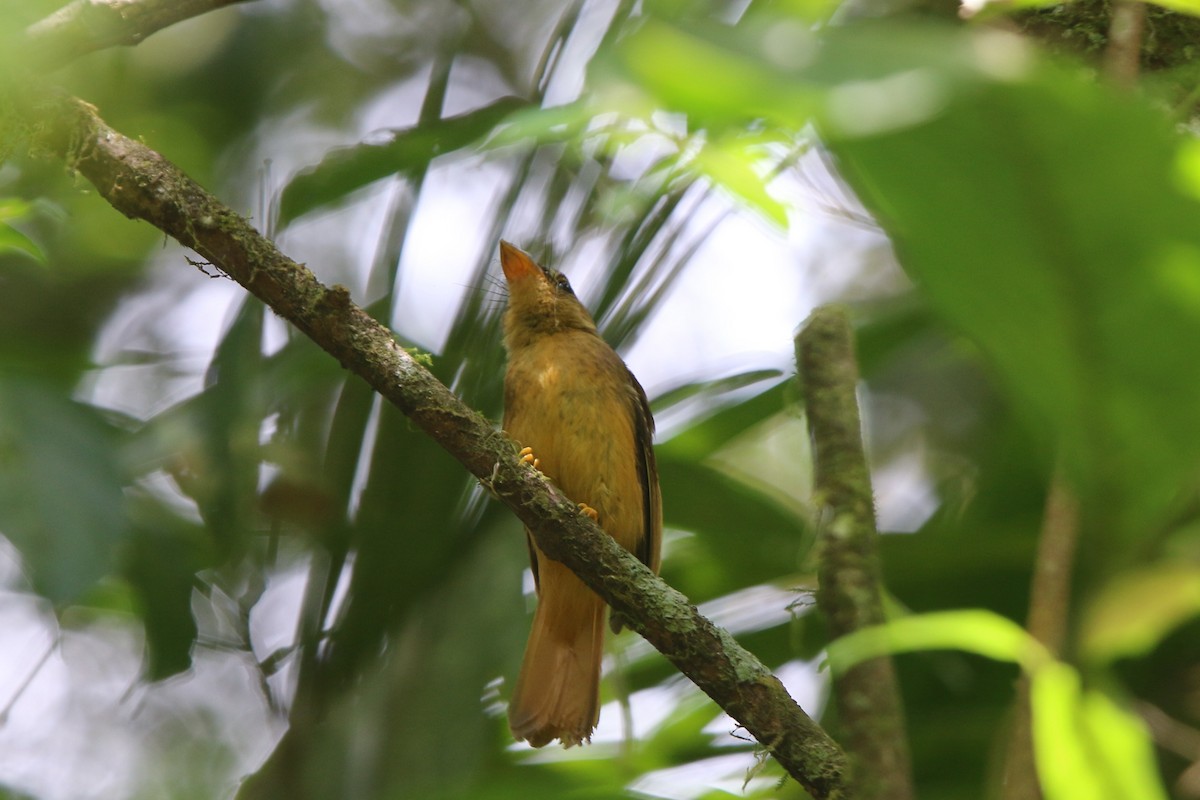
(567, 397)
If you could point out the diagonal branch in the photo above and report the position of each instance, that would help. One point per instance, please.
(142, 184)
(84, 26)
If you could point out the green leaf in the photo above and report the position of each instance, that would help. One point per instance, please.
(161, 564)
(1064, 766)
(720, 509)
(344, 170)
(14, 208)
(1124, 749)
(704, 437)
(1183, 6)
(1086, 746)
(1135, 611)
(542, 125)
(975, 631)
(1054, 267)
(61, 489)
(13, 241)
(698, 71)
(730, 165)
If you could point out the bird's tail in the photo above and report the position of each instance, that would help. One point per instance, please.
(557, 694)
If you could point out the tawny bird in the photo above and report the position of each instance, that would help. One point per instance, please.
(570, 401)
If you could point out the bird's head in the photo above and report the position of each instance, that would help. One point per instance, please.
(540, 300)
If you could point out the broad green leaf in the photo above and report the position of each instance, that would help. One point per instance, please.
(1054, 267)
(61, 501)
(975, 631)
(1136, 610)
(161, 562)
(1065, 768)
(1085, 745)
(746, 536)
(1124, 749)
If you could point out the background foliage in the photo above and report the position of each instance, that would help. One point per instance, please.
(201, 506)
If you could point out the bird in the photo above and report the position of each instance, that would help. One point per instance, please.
(582, 419)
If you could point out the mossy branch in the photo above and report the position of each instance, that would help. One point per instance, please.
(142, 184)
(848, 570)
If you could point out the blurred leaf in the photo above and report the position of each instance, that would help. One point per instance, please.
(869, 77)
(1136, 610)
(1183, 6)
(747, 535)
(1087, 748)
(704, 437)
(1053, 266)
(1125, 749)
(1063, 763)
(222, 472)
(11, 239)
(408, 531)
(14, 208)
(730, 165)
(161, 562)
(346, 169)
(543, 125)
(708, 73)
(61, 489)
(979, 632)
(710, 391)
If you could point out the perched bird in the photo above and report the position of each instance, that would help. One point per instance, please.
(570, 401)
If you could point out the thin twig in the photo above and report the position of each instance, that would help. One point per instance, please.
(142, 184)
(848, 570)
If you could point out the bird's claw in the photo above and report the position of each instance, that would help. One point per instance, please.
(526, 455)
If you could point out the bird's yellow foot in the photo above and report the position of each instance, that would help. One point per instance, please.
(527, 456)
(584, 508)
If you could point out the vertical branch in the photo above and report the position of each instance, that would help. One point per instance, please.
(1050, 594)
(1124, 50)
(1049, 601)
(850, 596)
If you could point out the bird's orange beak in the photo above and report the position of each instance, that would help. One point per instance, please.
(516, 263)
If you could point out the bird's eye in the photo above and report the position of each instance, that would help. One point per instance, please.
(563, 284)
